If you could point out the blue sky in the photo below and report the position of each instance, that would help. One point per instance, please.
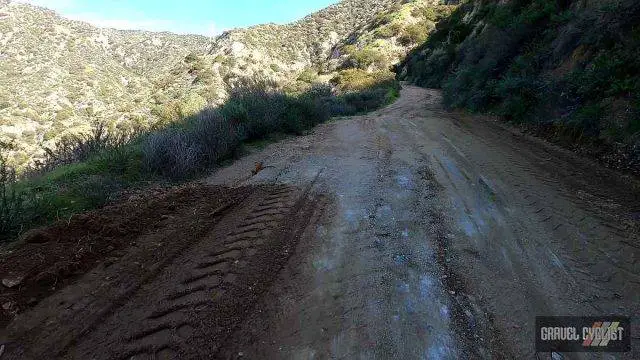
(205, 17)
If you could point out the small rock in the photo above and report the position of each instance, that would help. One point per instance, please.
(12, 282)
(8, 305)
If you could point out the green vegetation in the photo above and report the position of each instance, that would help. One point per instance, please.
(11, 201)
(136, 78)
(390, 36)
(366, 57)
(358, 80)
(569, 71)
(308, 75)
(88, 171)
(159, 89)
(73, 67)
(363, 91)
(63, 188)
(416, 33)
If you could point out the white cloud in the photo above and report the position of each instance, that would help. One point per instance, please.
(136, 21)
(124, 24)
(51, 4)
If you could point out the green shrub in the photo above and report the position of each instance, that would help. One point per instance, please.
(191, 104)
(64, 114)
(50, 135)
(205, 76)
(520, 96)
(168, 112)
(370, 99)
(383, 19)
(367, 57)
(415, 33)
(12, 202)
(388, 31)
(302, 114)
(499, 15)
(308, 75)
(357, 79)
(586, 121)
(89, 171)
(363, 91)
(431, 63)
(252, 112)
(190, 58)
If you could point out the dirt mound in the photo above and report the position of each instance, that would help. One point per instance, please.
(168, 275)
(50, 257)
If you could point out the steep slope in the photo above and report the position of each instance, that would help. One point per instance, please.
(303, 43)
(283, 52)
(386, 39)
(363, 34)
(58, 75)
(567, 70)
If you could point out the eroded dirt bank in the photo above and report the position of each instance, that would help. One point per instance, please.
(407, 233)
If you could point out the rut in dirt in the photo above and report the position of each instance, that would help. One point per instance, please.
(182, 303)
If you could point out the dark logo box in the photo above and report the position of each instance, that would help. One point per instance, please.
(583, 334)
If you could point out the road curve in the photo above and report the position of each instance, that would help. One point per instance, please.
(407, 233)
(448, 235)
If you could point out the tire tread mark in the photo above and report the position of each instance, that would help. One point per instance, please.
(154, 330)
(177, 307)
(199, 277)
(186, 292)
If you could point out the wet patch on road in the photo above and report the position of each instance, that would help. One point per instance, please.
(481, 339)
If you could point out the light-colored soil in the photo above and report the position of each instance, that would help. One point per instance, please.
(449, 234)
(408, 233)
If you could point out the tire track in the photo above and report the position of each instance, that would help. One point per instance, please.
(553, 211)
(188, 311)
(544, 232)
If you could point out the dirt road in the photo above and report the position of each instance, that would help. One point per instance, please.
(408, 233)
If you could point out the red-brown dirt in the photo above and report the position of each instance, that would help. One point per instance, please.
(136, 276)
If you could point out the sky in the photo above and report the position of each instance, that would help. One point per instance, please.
(204, 17)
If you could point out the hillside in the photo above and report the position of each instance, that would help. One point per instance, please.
(60, 75)
(190, 110)
(386, 39)
(63, 76)
(565, 70)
